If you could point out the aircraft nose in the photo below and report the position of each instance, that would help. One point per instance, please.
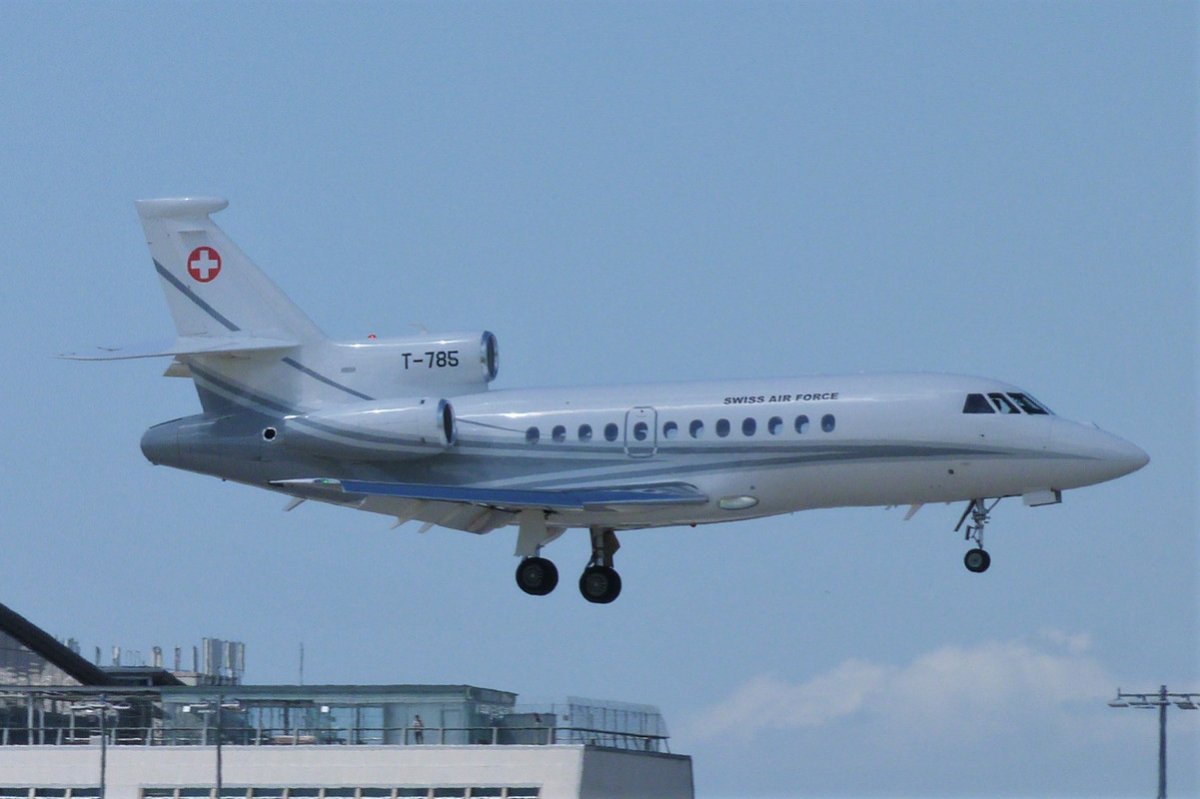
(1124, 455)
(1098, 455)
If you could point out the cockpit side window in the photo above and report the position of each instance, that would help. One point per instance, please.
(977, 403)
(1002, 403)
(1028, 403)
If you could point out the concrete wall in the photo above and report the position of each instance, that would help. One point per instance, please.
(621, 774)
(562, 772)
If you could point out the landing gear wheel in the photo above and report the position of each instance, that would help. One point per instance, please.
(977, 560)
(537, 576)
(600, 584)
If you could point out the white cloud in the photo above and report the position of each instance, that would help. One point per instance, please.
(951, 691)
(766, 702)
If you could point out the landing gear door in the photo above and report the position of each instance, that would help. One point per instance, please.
(641, 432)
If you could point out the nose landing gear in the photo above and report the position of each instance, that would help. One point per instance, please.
(977, 559)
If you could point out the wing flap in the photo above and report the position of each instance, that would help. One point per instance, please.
(587, 498)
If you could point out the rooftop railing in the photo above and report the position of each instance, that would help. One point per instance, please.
(333, 736)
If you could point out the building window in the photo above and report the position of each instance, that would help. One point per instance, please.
(559, 434)
(722, 427)
(585, 432)
(802, 424)
(696, 429)
(828, 423)
(611, 431)
(532, 435)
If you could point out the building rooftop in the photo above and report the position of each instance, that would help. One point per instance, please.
(50, 695)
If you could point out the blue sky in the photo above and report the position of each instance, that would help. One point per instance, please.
(634, 193)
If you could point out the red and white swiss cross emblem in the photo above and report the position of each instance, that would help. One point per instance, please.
(204, 264)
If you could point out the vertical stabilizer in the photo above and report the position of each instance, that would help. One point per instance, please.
(212, 288)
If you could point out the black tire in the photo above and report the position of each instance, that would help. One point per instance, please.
(537, 576)
(977, 560)
(600, 584)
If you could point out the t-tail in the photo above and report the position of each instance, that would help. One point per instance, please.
(213, 290)
(237, 331)
(246, 345)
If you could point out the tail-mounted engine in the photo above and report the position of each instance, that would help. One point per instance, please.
(449, 364)
(371, 431)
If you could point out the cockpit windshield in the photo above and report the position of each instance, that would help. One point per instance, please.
(1000, 402)
(1028, 403)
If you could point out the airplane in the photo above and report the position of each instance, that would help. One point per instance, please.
(408, 427)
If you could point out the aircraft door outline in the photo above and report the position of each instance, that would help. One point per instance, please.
(641, 432)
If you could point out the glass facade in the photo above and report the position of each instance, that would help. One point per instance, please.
(19, 665)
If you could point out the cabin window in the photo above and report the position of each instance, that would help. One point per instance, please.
(696, 429)
(977, 403)
(722, 427)
(532, 435)
(775, 426)
(828, 423)
(559, 434)
(611, 431)
(802, 424)
(641, 431)
(585, 432)
(670, 430)
(748, 427)
(1002, 403)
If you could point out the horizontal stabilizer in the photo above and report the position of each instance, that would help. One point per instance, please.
(186, 345)
(592, 498)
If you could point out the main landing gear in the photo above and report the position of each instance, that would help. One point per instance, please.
(536, 575)
(977, 559)
(600, 582)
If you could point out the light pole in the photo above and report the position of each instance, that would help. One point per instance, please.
(101, 707)
(205, 708)
(1161, 700)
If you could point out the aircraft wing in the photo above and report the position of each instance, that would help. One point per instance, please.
(184, 345)
(516, 499)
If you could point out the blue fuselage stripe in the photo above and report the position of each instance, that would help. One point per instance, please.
(318, 376)
(191, 295)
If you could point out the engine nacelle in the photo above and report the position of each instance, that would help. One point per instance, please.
(379, 430)
(446, 363)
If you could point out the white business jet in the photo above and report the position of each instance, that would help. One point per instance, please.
(408, 428)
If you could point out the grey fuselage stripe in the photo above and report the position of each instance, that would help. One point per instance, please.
(850, 455)
(191, 295)
(318, 376)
